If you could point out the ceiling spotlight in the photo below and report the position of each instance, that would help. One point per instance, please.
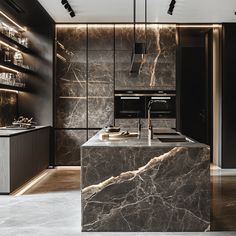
(72, 14)
(171, 7)
(68, 7)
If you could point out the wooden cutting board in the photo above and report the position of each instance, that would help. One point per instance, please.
(116, 136)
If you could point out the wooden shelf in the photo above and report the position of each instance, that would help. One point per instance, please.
(15, 44)
(11, 87)
(17, 68)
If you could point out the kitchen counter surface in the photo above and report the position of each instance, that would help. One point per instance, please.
(5, 132)
(140, 186)
(143, 140)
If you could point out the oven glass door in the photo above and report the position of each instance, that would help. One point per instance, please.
(129, 107)
(162, 106)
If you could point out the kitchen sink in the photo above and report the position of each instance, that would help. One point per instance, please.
(166, 133)
(174, 140)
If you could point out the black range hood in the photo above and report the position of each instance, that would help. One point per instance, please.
(139, 48)
(137, 57)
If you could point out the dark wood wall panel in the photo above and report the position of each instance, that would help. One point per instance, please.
(228, 97)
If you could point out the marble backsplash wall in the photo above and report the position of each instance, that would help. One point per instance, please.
(159, 67)
(100, 64)
(8, 107)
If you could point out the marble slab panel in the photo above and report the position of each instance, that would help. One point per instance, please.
(8, 107)
(101, 37)
(101, 74)
(71, 92)
(97, 167)
(71, 113)
(101, 66)
(160, 75)
(169, 193)
(73, 38)
(124, 37)
(158, 70)
(68, 144)
(100, 112)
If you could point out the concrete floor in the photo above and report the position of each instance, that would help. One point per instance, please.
(52, 207)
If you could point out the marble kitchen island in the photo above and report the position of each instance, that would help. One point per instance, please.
(135, 185)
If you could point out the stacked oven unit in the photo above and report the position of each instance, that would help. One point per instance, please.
(132, 106)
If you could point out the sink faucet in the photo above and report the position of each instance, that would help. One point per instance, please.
(150, 128)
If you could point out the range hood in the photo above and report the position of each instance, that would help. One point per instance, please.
(137, 57)
(139, 48)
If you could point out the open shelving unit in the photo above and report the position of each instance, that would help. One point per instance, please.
(13, 45)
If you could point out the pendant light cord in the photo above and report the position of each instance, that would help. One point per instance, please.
(134, 15)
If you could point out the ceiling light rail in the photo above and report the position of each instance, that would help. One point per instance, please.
(68, 7)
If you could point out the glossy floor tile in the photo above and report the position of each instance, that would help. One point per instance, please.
(52, 207)
(223, 210)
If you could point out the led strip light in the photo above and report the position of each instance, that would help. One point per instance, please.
(12, 21)
(7, 68)
(9, 90)
(9, 46)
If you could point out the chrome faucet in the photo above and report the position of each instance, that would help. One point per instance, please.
(150, 128)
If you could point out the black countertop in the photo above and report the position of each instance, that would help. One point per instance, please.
(5, 132)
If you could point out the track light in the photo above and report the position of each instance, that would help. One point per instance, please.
(67, 6)
(72, 14)
(171, 7)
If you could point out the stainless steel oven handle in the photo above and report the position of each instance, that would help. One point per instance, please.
(144, 95)
(130, 98)
(160, 98)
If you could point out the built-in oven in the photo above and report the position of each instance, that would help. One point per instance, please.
(163, 105)
(129, 105)
(134, 104)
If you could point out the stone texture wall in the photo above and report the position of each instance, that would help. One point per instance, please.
(100, 64)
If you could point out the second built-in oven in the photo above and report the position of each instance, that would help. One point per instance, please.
(162, 105)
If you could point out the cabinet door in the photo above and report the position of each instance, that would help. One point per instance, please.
(100, 88)
(71, 78)
(29, 155)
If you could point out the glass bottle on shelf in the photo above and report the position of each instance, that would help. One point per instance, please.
(7, 55)
(1, 53)
(18, 59)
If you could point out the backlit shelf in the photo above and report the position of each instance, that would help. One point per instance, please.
(5, 87)
(14, 68)
(14, 44)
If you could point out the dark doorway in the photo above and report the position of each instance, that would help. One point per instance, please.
(195, 84)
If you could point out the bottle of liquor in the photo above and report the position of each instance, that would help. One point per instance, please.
(18, 59)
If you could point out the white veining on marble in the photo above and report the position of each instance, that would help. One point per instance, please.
(154, 65)
(129, 175)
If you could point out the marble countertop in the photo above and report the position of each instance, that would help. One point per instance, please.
(142, 141)
(4, 132)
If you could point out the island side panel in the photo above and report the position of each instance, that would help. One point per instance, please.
(170, 193)
(101, 163)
